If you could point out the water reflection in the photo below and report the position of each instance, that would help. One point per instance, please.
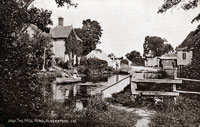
(76, 95)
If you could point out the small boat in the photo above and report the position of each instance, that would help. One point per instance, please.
(62, 80)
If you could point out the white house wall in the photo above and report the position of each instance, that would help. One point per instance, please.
(181, 61)
(59, 49)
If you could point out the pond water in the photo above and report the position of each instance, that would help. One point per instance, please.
(75, 95)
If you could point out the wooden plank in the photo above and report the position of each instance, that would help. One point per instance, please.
(159, 93)
(186, 79)
(159, 81)
(189, 92)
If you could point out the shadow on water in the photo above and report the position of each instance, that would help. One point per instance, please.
(76, 95)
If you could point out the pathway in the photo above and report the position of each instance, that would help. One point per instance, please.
(144, 113)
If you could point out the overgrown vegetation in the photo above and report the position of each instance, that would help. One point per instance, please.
(21, 58)
(92, 66)
(183, 114)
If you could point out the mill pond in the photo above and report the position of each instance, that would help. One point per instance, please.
(76, 95)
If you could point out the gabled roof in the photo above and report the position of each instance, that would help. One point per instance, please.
(189, 41)
(61, 31)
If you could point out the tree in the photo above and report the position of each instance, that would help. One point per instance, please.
(168, 48)
(20, 58)
(124, 61)
(135, 57)
(193, 39)
(73, 47)
(186, 5)
(111, 55)
(90, 34)
(155, 46)
(132, 55)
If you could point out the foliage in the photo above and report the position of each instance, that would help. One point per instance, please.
(61, 3)
(124, 61)
(73, 48)
(132, 55)
(155, 46)
(186, 5)
(20, 90)
(73, 45)
(96, 114)
(183, 114)
(111, 55)
(135, 57)
(21, 58)
(40, 18)
(193, 69)
(93, 65)
(90, 34)
(61, 63)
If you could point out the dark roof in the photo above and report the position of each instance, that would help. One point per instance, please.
(189, 41)
(61, 31)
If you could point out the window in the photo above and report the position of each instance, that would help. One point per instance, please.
(184, 56)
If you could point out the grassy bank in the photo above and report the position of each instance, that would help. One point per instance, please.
(185, 113)
(96, 114)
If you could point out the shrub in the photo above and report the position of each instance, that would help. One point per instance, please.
(97, 114)
(93, 65)
(61, 63)
(124, 61)
(183, 114)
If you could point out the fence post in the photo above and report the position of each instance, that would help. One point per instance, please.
(175, 72)
(133, 88)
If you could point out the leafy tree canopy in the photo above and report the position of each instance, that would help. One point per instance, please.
(156, 46)
(186, 5)
(21, 57)
(90, 34)
(132, 55)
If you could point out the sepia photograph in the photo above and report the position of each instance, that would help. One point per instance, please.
(99, 63)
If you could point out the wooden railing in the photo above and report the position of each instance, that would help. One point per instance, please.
(116, 87)
(173, 82)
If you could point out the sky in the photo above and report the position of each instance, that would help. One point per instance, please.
(126, 23)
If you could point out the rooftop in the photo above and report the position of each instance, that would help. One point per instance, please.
(61, 31)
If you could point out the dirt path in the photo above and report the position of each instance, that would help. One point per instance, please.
(144, 113)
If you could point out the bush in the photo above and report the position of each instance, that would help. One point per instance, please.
(93, 65)
(124, 61)
(61, 63)
(96, 114)
(183, 114)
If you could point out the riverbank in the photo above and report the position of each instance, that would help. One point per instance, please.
(185, 113)
(97, 113)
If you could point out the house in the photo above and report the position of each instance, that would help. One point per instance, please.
(185, 49)
(59, 35)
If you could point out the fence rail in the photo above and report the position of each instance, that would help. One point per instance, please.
(116, 83)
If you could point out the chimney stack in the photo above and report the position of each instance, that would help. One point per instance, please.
(60, 21)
